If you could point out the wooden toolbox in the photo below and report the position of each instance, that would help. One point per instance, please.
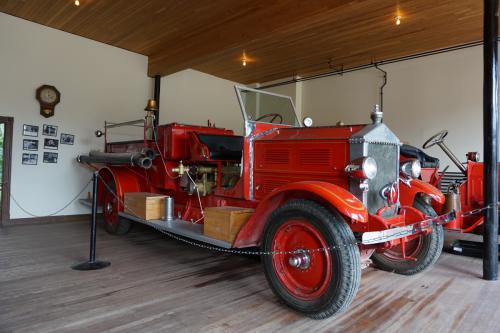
(148, 206)
(224, 223)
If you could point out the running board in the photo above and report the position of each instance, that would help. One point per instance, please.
(180, 228)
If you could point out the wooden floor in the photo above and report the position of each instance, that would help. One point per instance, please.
(158, 284)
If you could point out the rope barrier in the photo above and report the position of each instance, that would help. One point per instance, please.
(26, 211)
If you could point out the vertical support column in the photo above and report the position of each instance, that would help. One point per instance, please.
(490, 137)
(156, 97)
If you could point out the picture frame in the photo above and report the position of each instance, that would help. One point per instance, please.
(51, 144)
(30, 144)
(67, 139)
(50, 157)
(49, 130)
(30, 159)
(30, 130)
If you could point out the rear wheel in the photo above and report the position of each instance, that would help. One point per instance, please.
(113, 223)
(417, 253)
(320, 283)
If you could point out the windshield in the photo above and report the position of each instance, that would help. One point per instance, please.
(266, 107)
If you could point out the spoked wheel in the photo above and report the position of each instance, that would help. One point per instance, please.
(114, 224)
(414, 254)
(312, 276)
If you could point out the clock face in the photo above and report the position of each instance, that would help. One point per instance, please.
(48, 95)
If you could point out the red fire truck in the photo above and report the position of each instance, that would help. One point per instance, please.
(464, 189)
(325, 200)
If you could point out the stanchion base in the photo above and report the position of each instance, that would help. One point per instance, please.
(90, 266)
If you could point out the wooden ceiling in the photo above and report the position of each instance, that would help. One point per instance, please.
(280, 38)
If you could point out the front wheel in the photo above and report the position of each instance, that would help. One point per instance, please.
(113, 223)
(416, 254)
(319, 283)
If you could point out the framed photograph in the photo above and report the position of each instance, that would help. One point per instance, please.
(49, 130)
(49, 157)
(67, 139)
(51, 144)
(30, 130)
(29, 144)
(30, 159)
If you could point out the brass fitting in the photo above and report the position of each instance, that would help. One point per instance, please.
(181, 169)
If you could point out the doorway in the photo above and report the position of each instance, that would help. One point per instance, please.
(6, 124)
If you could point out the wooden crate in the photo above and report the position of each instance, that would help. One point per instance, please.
(148, 206)
(224, 223)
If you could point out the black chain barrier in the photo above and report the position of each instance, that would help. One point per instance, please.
(437, 220)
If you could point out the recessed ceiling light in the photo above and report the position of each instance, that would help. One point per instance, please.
(244, 59)
(77, 3)
(398, 20)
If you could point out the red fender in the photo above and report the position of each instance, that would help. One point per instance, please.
(336, 196)
(125, 181)
(408, 192)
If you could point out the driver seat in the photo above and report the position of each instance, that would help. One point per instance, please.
(426, 161)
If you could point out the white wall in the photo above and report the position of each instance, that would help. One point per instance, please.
(96, 81)
(193, 97)
(422, 97)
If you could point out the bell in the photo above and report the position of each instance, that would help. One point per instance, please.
(151, 106)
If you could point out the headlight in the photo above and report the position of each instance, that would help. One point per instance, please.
(369, 167)
(365, 168)
(411, 168)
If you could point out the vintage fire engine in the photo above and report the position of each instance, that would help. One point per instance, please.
(464, 189)
(325, 199)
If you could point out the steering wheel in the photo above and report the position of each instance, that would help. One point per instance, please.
(273, 115)
(435, 139)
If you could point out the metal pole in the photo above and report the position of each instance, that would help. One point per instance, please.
(490, 136)
(92, 264)
(157, 99)
(95, 178)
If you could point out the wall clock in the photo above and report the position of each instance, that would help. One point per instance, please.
(48, 97)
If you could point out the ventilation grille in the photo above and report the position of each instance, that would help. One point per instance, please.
(450, 178)
(315, 157)
(270, 184)
(277, 156)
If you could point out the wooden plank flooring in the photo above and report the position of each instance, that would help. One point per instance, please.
(158, 284)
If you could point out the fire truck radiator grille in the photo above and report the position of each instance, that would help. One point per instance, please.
(315, 157)
(387, 158)
(277, 156)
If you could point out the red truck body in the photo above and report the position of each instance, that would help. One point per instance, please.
(303, 183)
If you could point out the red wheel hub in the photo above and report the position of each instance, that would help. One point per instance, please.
(110, 209)
(305, 274)
(408, 249)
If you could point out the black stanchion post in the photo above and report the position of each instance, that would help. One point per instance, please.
(92, 264)
(490, 137)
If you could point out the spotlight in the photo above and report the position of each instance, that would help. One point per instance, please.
(398, 20)
(77, 3)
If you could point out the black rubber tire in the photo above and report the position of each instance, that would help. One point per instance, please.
(123, 225)
(346, 261)
(429, 254)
